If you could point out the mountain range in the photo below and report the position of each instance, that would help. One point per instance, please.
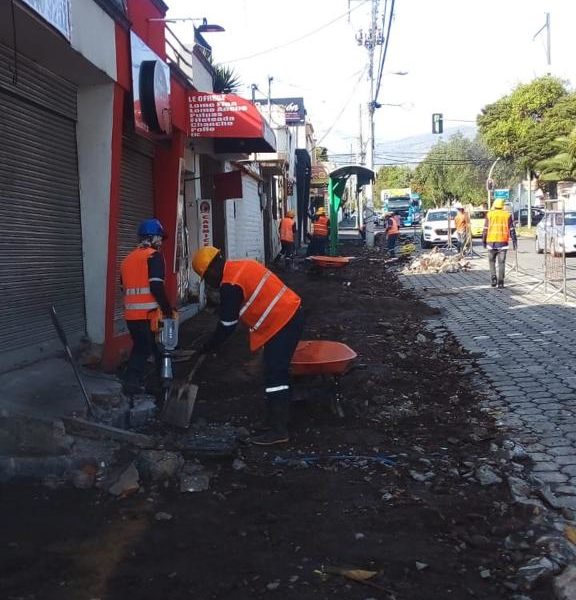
(413, 149)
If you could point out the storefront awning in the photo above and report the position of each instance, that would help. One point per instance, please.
(234, 123)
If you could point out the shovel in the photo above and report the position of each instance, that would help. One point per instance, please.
(70, 357)
(178, 408)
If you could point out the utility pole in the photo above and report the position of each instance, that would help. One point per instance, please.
(546, 27)
(372, 38)
(270, 80)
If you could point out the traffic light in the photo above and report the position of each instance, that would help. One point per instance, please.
(437, 123)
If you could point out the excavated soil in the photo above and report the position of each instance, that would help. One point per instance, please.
(404, 504)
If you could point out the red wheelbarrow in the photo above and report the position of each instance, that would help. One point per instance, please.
(325, 358)
(330, 262)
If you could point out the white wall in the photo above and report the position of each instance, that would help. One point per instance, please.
(94, 139)
(93, 35)
(244, 227)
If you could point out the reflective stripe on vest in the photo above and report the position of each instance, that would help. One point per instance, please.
(320, 227)
(139, 303)
(498, 227)
(287, 229)
(269, 305)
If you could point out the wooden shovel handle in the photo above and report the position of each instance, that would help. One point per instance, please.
(195, 368)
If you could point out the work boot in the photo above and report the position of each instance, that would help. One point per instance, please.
(278, 410)
(493, 282)
(501, 284)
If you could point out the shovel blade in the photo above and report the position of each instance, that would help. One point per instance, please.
(180, 406)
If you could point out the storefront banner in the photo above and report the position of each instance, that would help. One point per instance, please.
(56, 12)
(293, 107)
(205, 220)
(223, 116)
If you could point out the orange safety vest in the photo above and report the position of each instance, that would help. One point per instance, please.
(320, 227)
(287, 229)
(498, 227)
(268, 303)
(139, 303)
(393, 228)
(460, 221)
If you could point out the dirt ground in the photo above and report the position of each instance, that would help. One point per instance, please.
(405, 504)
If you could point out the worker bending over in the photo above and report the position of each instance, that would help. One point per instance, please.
(254, 295)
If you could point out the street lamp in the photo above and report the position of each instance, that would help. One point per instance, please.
(204, 27)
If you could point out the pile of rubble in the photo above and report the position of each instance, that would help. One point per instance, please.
(436, 261)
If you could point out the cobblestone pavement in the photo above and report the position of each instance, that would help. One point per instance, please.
(527, 351)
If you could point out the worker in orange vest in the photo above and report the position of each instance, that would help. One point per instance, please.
(498, 231)
(320, 232)
(462, 225)
(272, 312)
(287, 230)
(392, 232)
(142, 280)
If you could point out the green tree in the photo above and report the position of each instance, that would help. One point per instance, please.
(561, 166)
(397, 176)
(454, 170)
(523, 125)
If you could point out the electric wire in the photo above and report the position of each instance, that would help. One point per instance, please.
(346, 104)
(299, 39)
(381, 71)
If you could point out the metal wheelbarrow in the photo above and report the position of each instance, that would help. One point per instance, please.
(324, 358)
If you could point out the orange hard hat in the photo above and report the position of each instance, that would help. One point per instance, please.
(321, 211)
(202, 259)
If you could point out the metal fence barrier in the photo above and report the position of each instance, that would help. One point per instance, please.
(548, 271)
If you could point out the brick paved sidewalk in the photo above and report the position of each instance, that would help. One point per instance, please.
(527, 351)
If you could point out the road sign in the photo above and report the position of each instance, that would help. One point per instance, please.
(501, 194)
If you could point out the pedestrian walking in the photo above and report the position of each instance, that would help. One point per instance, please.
(498, 231)
(142, 281)
(392, 230)
(320, 232)
(272, 312)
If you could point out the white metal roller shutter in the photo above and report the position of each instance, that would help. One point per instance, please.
(250, 232)
(136, 204)
(41, 241)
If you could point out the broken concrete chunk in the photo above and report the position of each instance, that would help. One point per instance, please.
(565, 584)
(159, 465)
(487, 476)
(194, 478)
(535, 570)
(123, 480)
(30, 436)
(143, 410)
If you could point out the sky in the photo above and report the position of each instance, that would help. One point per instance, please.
(459, 55)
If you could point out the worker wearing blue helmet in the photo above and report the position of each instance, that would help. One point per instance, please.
(142, 278)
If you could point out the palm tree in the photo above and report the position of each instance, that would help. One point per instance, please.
(226, 80)
(562, 166)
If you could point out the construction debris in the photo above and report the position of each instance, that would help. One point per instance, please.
(436, 261)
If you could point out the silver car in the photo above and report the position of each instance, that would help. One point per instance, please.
(556, 233)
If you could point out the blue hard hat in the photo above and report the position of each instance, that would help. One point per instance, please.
(151, 227)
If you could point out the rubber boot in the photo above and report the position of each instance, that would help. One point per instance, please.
(500, 284)
(493, 282)
(278, 407)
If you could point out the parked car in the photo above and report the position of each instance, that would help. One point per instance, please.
(435, 227)
(554, 236)
(521, 217)
(477, 218)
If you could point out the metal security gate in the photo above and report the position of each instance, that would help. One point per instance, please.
(136, 204)
(41, 240)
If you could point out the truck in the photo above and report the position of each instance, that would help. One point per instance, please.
(404, 202)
